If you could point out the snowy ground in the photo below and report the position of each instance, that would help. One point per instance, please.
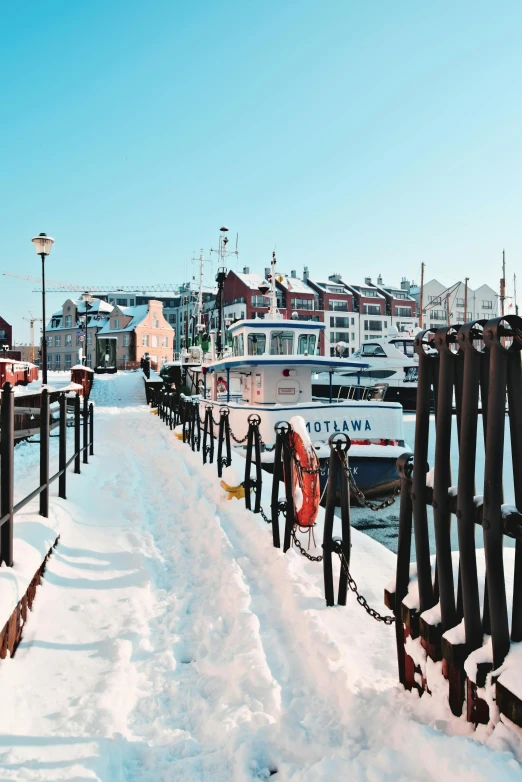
(170, 641)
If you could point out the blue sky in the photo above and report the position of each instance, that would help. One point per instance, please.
(359, 137)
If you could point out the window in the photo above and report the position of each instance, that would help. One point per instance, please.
(238, 345)
(164, 342)
(339, 336)
(338, 306)
(372, 350)
(68, 340)
(89, 359)
(353, 321)
(125, 356)
(155, 323)
(256, 344)
(131, 302)
(89, 337)
(340, 323)
(121, 302)
(68, 321)
(369, 293)
(487, 305)
(302, 304)
(154, 342)
(372, 309)
(67, 361)
(116, 323)
(306, 344)
(49, 342)
(460, 302)
(57, 340)
(281, 343)
(373, 325)
(438, 315)
(56, 360)
(126, 340)
(172, 318)
(398, 295)
(403, 311)
(145, 340)
(260, 301)
(164, 359)
(405, 346)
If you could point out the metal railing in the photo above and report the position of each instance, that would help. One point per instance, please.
(83, 420)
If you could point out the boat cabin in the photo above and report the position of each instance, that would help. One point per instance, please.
(274, 360)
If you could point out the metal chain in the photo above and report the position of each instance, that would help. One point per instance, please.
(359, 494)
(387, 620)
(303, 551)
(264, 516)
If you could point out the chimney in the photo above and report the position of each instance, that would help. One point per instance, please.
(379, 279)
(246, 269)
(306, 274)
(405, 284)
(335, 277)
(293, 274)
(367, 280)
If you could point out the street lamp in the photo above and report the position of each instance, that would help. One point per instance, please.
(42, 245)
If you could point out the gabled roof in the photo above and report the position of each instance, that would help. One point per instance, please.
(137, 315)
(294, 285)
(251, 280)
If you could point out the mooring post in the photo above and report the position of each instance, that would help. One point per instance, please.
(289, 496)
(280, 428)
(7, 474)
(514, 388)
(329, 512)
(342, 445)
(402, 578)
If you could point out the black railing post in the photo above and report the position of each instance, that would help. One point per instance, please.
(253, 444)
(85, 431)
(223, 437)
(289, 496)
(329, 512)
(44, 453)
(208, 431)
(444, 339)
(77, 434)
(402, 579)
(342, 444)
(422, 427)
(91, 432)
(280, 428)
(494, 332)
(466, 517)
(7, 474)
(62, 457)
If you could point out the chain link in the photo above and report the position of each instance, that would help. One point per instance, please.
(359, 494)
(387, 620)
(264, 516)
(303, 550)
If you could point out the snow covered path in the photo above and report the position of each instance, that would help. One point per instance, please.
(170, 641)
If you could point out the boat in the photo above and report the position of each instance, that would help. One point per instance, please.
(388, 366)
(275, 360)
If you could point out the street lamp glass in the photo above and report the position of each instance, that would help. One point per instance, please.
(43, 244)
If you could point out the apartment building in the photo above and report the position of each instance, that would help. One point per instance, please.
(131, 332)
(66, 332)
(443, 304)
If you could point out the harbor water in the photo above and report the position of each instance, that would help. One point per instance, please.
(383, 525)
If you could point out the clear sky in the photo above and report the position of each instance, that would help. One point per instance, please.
(355, 136)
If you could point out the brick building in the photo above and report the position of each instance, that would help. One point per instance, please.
(6, 333)
(131, 332)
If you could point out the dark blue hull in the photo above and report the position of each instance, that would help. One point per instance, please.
(373, 475)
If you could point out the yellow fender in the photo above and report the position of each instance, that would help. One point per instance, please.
(233, 491)
(154, 411)
(179, 435)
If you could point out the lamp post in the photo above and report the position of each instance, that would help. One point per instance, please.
(43, 245)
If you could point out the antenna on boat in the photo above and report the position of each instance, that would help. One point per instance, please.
(273, 297)
(220, 279)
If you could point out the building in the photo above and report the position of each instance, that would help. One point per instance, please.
(6, 333)
(136, 298)
(66, 332)
(443, 305)
(131, 332)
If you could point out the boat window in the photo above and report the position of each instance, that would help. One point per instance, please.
(238, 345)
(306, 344)
(372, 350)
(281, 343)
(256, 344)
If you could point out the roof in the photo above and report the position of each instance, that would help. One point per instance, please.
(251, 280)
(319, 363)
(295, 285)
(283, 323)
(137, 315)
(95, 306)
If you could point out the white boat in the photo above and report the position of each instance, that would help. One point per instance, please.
(275, 360)
(388, 364)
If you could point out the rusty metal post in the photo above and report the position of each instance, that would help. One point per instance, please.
(7, 474)
(494, 333)
(402, 579)
(423, 342)
(514, 388)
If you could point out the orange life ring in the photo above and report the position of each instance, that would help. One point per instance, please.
(306, 489)
(222, 385)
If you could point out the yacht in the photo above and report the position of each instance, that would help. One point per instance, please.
(387, 368)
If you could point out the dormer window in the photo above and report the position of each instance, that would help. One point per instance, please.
(68, 321)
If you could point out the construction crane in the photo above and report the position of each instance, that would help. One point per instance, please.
(32, 320)
(53, 286)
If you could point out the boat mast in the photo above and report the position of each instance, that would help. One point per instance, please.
(200, 295)
(503, 283)
(421, 300)
(515, 293)
(273, 296)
